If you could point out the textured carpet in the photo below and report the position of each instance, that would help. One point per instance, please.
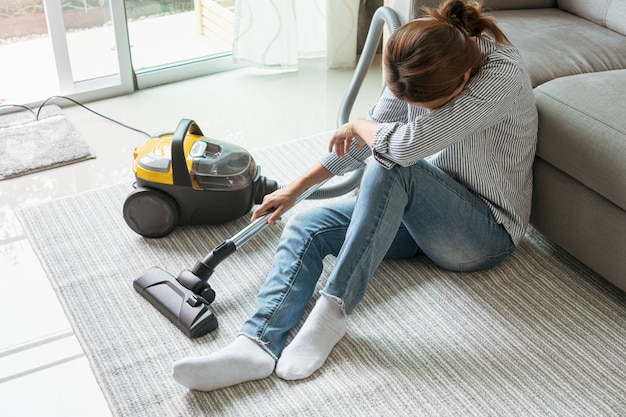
(540, 335)
(29, 145)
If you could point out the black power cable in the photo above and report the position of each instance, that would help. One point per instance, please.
(36, 114)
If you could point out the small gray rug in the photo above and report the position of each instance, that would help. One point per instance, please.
(539, 335)
(29, 145)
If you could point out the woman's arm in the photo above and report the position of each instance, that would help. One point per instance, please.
(484, 102)
(283, 199)
(387, 109)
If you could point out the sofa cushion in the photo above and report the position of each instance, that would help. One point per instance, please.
(582, 130)
(555, 43)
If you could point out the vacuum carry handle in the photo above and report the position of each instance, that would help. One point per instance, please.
(180, 173)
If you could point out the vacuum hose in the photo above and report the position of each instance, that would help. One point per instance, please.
(383, 15)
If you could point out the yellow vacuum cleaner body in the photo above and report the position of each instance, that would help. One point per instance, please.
(185, 178)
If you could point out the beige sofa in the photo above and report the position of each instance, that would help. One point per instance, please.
(575, 51)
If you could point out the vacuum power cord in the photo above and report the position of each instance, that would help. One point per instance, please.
(49, 99)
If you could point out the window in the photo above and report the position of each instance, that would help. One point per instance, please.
(91, 49)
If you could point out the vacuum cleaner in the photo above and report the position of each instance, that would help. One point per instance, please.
(208, 181)
(205, 181)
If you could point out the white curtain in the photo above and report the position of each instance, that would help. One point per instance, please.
(275, 33)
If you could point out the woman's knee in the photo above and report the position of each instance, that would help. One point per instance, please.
(302, 219)
(300, 226)
(315, 220)
(323, 227)
(377, 175)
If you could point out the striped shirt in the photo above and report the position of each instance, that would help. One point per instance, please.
(485, 138)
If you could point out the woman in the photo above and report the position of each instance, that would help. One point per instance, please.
(453, 136)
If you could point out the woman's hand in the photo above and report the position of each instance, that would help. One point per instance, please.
(281, 200)
(276, 203)
(361, 130)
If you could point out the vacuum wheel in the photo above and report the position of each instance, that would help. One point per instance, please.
(150, 213)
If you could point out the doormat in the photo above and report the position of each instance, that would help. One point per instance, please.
(29, 145)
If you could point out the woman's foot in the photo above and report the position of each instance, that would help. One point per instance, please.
(324, 327)
(241, 361)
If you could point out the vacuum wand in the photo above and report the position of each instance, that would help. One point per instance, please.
(185, 299)
(259, 224)
(196, 279)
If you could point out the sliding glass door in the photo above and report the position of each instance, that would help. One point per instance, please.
(75, 48)
(91, 49)
(88, 40)
(178, 39)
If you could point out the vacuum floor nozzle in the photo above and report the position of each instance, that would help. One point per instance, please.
(185, 309)
(185, 299)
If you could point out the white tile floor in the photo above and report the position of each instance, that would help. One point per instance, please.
(43, 371)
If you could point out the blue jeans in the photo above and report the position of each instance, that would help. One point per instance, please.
(399, 213)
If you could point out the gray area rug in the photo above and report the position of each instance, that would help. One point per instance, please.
(540, 335)
(29, 145)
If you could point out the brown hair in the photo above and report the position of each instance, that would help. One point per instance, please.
(426, 59)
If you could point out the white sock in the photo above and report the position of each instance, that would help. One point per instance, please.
(308, 351)
(241, 361)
